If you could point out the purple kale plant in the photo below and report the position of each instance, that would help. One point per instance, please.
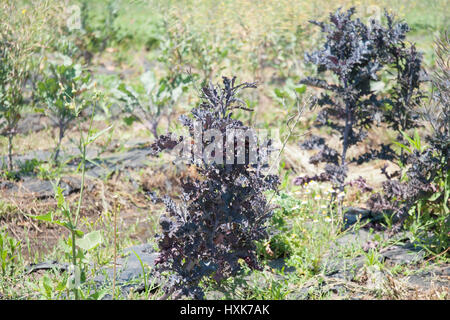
(357, 54)
(423, 193)
(222, 213)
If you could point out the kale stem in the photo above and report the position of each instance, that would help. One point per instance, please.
(347, 126)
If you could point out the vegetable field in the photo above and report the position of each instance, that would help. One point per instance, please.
(223, 150)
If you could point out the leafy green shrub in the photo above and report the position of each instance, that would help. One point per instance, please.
(152, 100)
(62, 92)
(23, 32)
(13, 74)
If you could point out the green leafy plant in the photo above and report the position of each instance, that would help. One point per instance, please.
(62, 92)
(152, 100)
(24, 31)
(70, 216)
(14, 62)
(9, 254)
